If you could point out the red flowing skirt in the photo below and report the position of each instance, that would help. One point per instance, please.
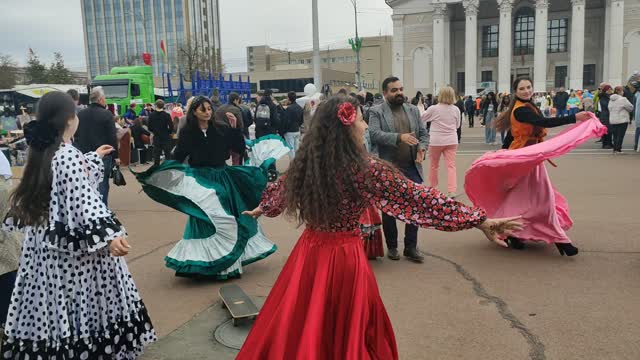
(325, 305)
(371, 228)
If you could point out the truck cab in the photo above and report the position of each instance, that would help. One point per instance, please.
(124, 85)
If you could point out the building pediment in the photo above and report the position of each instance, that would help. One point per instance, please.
(406, 7)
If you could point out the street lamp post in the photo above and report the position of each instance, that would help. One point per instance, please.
(357, 44)
(317, 72)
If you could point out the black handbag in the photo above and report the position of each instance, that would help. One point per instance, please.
(118, 178)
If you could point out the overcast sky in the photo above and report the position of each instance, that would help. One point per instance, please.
(56, 25)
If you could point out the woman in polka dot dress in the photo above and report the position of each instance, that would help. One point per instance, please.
(74, 297)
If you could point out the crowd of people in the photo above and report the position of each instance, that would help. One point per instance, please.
(355, 169)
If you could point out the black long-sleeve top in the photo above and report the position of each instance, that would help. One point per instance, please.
(208, 148)
(161, 126)
(136, 132)
(528, 115)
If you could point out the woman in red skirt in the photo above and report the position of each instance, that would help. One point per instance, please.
(325, 303)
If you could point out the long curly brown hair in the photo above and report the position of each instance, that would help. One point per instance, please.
(322, 172)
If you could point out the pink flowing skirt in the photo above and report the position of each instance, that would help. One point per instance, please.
(515, 182)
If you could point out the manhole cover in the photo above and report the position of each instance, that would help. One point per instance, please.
(233, 336)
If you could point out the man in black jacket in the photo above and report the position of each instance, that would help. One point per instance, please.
(161, 126)
(560, 102)
(293, 119)
(470, 107)
(97, 128)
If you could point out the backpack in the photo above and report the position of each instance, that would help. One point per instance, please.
(263, 116)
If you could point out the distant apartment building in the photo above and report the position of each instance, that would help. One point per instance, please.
(291, 71)
(118, 32)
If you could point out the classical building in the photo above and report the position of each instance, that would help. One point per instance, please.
(118, 32)
(574, 44)
(291, 71)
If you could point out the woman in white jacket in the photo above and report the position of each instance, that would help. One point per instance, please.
(619, 109)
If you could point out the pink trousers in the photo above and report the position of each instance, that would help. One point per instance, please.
(449, 152)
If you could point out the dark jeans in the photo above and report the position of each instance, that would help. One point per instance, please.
(7, 282)
(560, 112)
(618, 131)
(470, 115)
(389, 226)
(637, 137)
(103, 188)
(158, 149)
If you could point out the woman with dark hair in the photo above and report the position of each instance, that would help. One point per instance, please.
(325, 303)
(217, 240)
(504, 106)
(489, 110)
(74, 296)
(517, 182)
(140, 138)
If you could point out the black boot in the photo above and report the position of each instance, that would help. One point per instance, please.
(515, 243)
(567, 249)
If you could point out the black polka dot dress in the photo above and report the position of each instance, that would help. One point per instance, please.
(72, 299)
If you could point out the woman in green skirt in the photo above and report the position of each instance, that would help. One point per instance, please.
(218, 241)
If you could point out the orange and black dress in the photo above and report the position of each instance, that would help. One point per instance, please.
(528, 125)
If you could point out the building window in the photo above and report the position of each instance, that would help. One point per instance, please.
(524, 34)
(487, 76)
(561, 76)
(460, 81)
(589, 75)
(557, 35)
(490, 41)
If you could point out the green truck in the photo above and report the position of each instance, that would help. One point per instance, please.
(127, 84)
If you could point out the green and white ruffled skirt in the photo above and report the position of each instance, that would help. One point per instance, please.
(218, 241)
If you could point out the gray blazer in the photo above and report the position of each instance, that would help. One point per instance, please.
(384, 137)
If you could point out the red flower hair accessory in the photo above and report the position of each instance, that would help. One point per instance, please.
(347, 113)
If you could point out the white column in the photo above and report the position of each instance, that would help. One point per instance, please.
(504, 46)
(397, 66)
(607, 25)
(471, 47)
(616, 34)
(576, 60)
(447, 48)
(540, 51)
(439, 13)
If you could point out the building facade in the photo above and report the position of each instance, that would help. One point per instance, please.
(574, 44)
(118, 32)
(290, 71)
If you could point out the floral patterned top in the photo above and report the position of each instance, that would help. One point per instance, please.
(394, 194)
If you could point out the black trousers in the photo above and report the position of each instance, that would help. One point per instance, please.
(607, 138)
(158, 149)
(617, 132)
(389, 226)
(470, 115)
(7, 282)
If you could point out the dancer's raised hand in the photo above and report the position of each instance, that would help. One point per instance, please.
(255, 213)
(496, 230)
